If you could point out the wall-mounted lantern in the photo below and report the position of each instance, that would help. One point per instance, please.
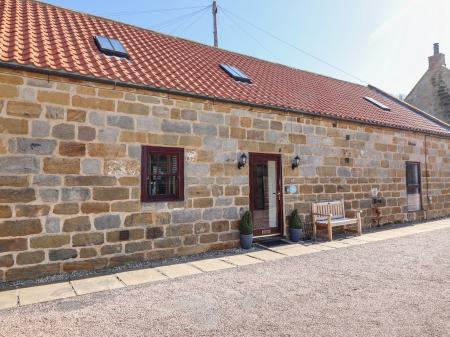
(242, 161)
(295, 162)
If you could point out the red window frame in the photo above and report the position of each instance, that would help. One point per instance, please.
(147, 151)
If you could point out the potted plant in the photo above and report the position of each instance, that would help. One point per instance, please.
(246, 229)
(295, 226)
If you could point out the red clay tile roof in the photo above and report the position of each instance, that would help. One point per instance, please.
(45, 36)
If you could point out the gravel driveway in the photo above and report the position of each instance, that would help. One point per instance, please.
(397, 287)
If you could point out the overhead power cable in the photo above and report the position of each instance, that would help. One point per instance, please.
(154, 10)
(177, 19)
(292, 45)
(228, 24)
(196, 18)
(237, 25)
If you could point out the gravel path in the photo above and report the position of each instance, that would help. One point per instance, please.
(397, 287)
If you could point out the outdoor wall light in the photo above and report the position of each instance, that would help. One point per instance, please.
(242, 161)
(295, 162)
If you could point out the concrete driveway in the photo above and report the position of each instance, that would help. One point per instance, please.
(394, 287)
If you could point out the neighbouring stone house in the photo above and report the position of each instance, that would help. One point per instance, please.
(120, 144)
(432, 92)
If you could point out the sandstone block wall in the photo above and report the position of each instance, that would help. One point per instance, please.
(432, 93)
(70, 172)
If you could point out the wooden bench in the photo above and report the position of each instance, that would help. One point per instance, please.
(330, 214)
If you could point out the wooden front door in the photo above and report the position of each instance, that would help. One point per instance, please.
(266, 199)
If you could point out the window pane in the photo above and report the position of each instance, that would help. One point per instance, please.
(173, 164)
(412, 174)
(117, 46)
(172, 185)
(158, 185)
(163, 164)
(153, 165)
(104, 42)
(413, 198)
(261, 193)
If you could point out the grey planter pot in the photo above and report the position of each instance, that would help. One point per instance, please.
(295, 234)
(246, 241)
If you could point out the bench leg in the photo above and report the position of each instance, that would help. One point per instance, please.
(330, 232)
(314, 231)
(359, 227)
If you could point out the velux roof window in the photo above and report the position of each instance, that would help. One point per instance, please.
(235, 73)
(378, 104)
(110, 46)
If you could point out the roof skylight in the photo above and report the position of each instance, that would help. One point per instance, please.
(378, 104)
(235, 73)
(110, 46)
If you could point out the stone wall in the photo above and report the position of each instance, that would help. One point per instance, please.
(432, 93)
(70, 172)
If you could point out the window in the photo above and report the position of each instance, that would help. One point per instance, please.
(235, 73)
(162, 174)
(110, 46)
(378, 104)
(413, 187)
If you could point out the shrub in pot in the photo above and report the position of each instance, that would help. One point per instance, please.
(295, 226)
(246, 229)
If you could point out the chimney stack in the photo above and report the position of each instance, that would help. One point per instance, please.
(436, 48)
(437, 60)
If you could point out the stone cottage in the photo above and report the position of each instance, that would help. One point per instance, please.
(121, 144)
(432, 92)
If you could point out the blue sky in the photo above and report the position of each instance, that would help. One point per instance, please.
(385, 42)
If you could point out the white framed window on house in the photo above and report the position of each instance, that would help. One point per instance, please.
(413, 186)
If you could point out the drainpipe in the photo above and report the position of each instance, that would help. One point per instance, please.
(426, 177)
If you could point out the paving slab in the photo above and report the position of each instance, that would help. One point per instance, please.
(212, 264)
(266, 255)
(178, 270)
(8, 299)
(135, 277)
(241, 260)
(421, 229)
(319, 247)
(436, 226)
(45, 293)
(353, 242)
(369, 238)
(300, 250)
(280, 249)
(96, 284)
(377, 235)
(334, 244)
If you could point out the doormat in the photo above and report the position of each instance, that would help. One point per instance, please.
(273, 243)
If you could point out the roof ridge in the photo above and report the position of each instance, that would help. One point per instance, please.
(192, 41)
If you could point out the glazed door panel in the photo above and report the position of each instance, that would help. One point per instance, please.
(265, 193)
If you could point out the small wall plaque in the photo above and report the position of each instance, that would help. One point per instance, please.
(292, 189)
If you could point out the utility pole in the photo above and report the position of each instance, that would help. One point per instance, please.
(214, 12)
